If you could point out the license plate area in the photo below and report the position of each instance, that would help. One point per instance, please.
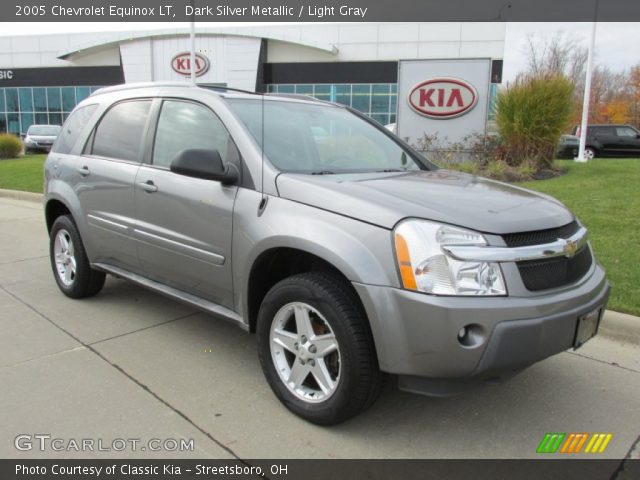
(587, 327)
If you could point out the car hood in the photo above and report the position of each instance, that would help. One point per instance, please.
(43, 138)
(441, 195)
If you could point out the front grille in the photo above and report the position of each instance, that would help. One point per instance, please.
(538, 237)
(555, 272)
(550, 272)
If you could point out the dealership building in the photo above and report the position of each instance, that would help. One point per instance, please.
(43, 77)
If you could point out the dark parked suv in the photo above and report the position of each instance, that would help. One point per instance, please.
(602, 140)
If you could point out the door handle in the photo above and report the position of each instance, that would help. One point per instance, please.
(148, 186)
(84, 171)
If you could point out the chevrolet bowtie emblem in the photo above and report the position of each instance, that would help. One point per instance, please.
(570, 248)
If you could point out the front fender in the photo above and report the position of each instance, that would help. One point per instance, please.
(361, 251)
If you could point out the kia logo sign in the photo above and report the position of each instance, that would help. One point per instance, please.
(181, 64)
(443, 98)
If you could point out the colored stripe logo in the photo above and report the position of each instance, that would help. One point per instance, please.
(573, 443)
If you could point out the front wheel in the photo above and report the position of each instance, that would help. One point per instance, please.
(316, 349)
(71, 268)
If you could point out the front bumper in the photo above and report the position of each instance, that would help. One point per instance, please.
(416, 335)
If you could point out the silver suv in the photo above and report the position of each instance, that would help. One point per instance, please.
(345, 251)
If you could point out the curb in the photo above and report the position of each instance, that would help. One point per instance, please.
(19, 195)
(621, 327)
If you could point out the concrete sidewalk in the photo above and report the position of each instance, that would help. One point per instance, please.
(132, 364)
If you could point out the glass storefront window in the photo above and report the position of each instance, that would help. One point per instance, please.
(82, 93)
(343, 94)
(12, 99)
(25, 106)
(322, 92)
(54, 100)
(287, 89)
(380, 98)
(40, 99)
(26, 120)
(361, 97)
(68, 99)
(304, 89)
(26, 100)
(13, 123)
(55, 119)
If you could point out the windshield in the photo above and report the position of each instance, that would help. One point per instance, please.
(44, 130)
(320, 139)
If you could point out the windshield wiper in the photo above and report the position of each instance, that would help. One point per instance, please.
(323, 172)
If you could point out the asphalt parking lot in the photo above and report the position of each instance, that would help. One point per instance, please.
(132, 364)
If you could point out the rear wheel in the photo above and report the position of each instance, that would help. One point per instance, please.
(71, 268)
(589, 153)
(316, 349)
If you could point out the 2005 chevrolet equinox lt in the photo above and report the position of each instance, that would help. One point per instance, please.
(347, 253)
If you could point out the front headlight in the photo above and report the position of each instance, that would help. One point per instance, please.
(425, 267)
(28, 140)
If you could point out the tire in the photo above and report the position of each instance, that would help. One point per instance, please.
(589, 153)
(334, 319)
(69, 262)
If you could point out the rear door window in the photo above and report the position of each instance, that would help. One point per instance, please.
(120, 133)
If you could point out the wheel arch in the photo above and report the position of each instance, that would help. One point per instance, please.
(53, 209)
(277, 263)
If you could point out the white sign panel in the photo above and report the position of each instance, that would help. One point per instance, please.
(445, 98)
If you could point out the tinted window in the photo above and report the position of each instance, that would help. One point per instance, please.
(119, 133)
(184, 125)
(626, 132)
(72, 128)
(601, 131)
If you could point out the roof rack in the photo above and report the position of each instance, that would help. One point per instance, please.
(131, 86)
(229, 89)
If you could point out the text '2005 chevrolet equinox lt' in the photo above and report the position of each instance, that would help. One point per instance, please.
(345, 251)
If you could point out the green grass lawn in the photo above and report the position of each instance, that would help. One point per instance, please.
(605, 195)
(23, 173)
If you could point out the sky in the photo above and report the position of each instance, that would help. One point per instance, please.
(616, 43)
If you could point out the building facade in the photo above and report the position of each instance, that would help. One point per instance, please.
(43, 77)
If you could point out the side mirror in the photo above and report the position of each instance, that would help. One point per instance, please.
(205, 164)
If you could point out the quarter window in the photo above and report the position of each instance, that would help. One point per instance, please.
(120, 132)
(626, 132)
(185, 125)
(72, 128)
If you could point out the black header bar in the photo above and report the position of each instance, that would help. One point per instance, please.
(60, 76)
(320, 11)
(283, 469)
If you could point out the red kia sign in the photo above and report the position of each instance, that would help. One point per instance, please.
(181, 64)
(443, 97)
